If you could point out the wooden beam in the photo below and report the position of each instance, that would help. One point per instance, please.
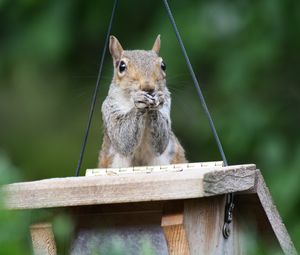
(273, 216)
(173, 228)
(176, 239)
(254, 228)
(76, 191)
(43, 242)
(203, 223)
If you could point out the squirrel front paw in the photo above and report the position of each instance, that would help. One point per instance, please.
(144, 100)
(160, 98)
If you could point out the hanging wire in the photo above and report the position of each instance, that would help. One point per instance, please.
(92, 108)
(196, 83)
(229, 203)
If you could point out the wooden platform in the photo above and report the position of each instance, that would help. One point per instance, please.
(186, 203)
(157, 186)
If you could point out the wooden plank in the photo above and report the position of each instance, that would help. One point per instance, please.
(203, 222)
(75, 191)
(176, 240)
(173, 228)
(43, 242)
(274, 217)
(228, 182)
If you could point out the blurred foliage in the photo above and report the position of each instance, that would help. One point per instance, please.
(12, 241)
(14, 225)
(246, 55)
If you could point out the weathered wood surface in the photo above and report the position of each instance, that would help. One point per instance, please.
(273, 216)
(203, 222)
(75, 191)
(43, 242)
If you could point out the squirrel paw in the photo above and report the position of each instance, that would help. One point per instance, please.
(143, 100)
(160, 98)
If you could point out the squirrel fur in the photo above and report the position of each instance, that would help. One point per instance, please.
(136, 111)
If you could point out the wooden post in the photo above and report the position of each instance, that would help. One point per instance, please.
(43, 239)
(173, 228)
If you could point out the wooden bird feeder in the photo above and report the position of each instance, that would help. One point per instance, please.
(179, 208)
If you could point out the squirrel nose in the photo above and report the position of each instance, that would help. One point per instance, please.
(149, 90)
(147, 87)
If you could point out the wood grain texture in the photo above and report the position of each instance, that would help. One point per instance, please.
(75, 191)
(173, 228)
(203, 222)
(220, 182)
(43, 242)
(176, 240)
(274, 217)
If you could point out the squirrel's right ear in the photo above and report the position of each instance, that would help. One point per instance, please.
(115, 48)
(156, 45)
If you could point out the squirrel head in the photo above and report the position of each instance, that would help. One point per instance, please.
(138, 69)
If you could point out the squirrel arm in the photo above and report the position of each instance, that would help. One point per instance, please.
(160, 128)
(123, 129)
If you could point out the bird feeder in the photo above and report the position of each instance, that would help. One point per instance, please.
(178, 208)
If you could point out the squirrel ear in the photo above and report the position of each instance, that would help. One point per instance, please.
(115, 48)
(156, 45)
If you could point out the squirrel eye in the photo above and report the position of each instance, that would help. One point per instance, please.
(122, 66)
(163, 66)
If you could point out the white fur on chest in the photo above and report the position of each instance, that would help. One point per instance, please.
(143, 155)
(147, 158)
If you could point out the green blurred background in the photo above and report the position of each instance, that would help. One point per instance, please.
(246, 55)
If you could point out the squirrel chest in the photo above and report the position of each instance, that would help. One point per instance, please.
(145, 154)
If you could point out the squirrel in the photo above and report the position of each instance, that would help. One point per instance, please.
(136, 111)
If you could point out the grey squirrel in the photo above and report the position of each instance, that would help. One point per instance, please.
(136, 111)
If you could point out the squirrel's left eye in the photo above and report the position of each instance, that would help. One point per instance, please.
(163, 66)
(122, 67)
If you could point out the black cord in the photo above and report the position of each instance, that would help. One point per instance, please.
(92, 108)
(196, 83)
(229, 198)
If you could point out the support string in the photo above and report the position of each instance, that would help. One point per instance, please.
(196, 83)
(92, 108)
(229, 197)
